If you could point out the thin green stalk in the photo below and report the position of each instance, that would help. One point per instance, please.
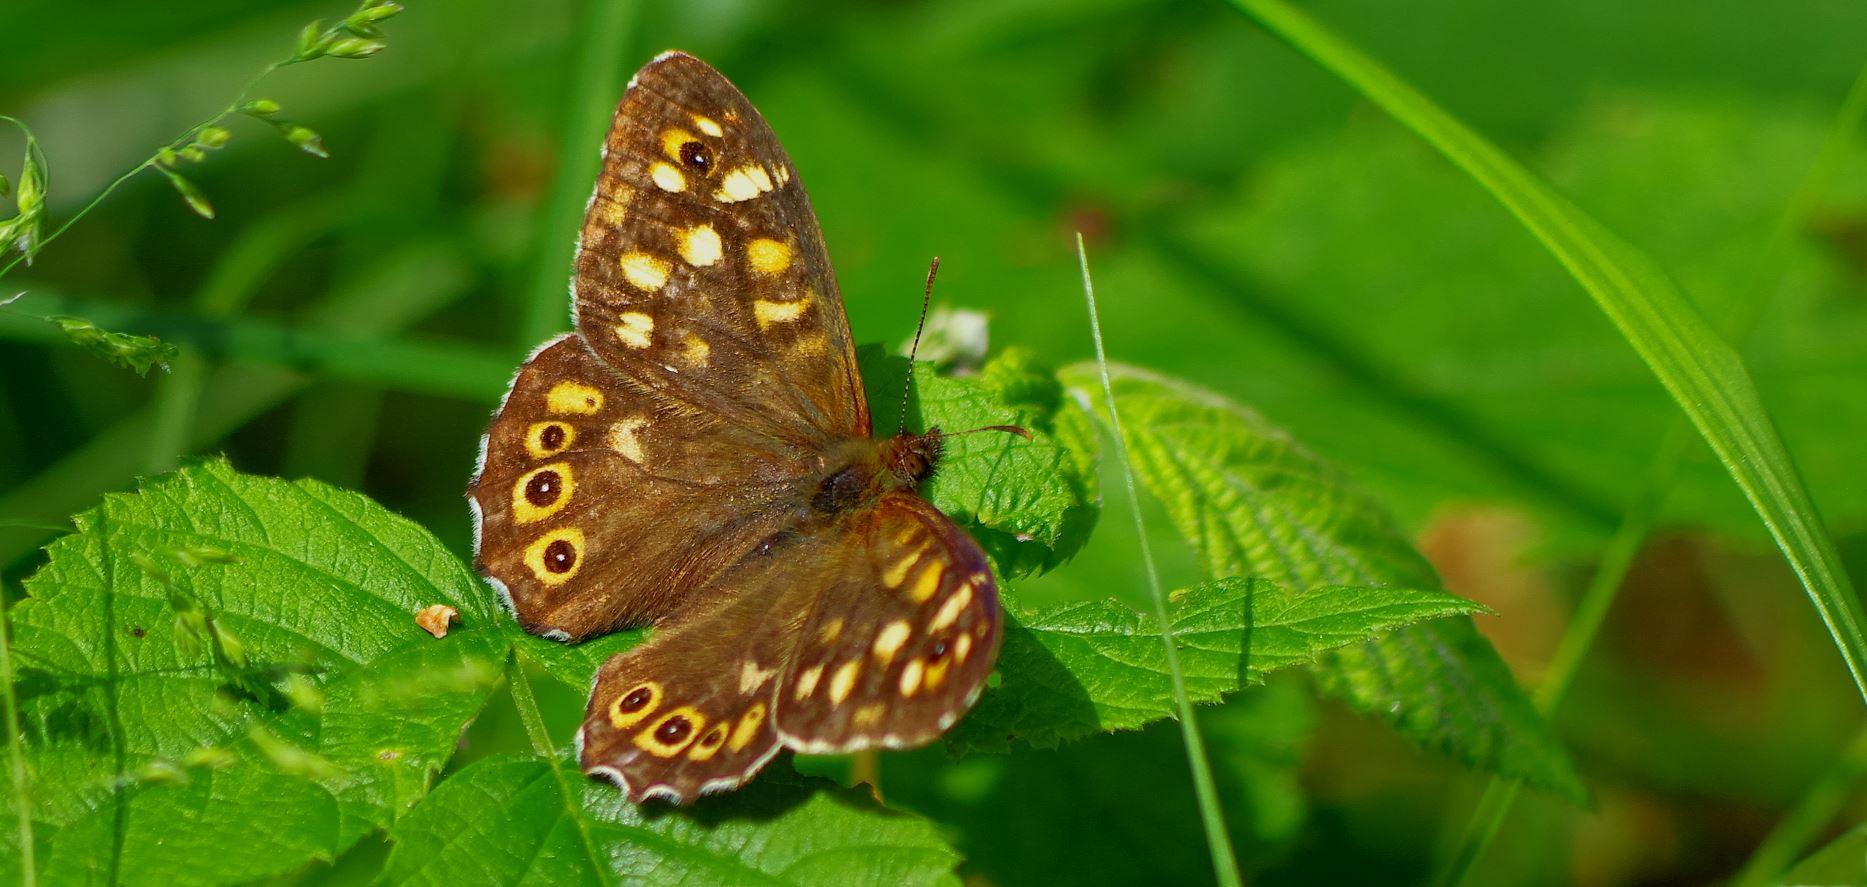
(1803, 825)
(527, 704)
(1618, 555)
(1703, 373)
(16, 754)
(607, 30)
(1218, 840)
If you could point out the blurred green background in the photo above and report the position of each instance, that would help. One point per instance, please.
(1254, 227)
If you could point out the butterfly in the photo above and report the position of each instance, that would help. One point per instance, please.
(697, 457)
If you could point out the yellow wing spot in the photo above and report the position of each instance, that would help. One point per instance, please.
(624, 439)
(911, 677)
(768, 256)
(812, 346)
(936, 674)
(672, 733)
(752, 677)
(928, 583)
(831, 631)
(695, 350)
(868, 715)
(747, 727)
(962, 647)
(709, 745)
(541, 492)
(635, 329)
(700, 245)
(888, 641)
(573, 397)
(951, 609)
(556, 556)
(807, 681)
(546, 439)
(631, 707)
(769, 313)
(844, 681)
(705, 124)
(743, 183)
(783, 175)
(672, 140)
(912, 532)
(667, 178)
(611, 207)
(898, 573)
(646, 272)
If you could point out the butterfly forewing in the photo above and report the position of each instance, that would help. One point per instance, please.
(600, 505)
(701, 268)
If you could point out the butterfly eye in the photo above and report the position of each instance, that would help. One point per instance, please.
(696, 156)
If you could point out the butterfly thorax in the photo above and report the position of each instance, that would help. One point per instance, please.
(864, 469)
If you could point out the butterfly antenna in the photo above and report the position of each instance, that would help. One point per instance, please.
(926, 300)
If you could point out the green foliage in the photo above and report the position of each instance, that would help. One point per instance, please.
(139, 354)
(557, 827)
(1099, 666)
(1263, 236)
(1253, 502)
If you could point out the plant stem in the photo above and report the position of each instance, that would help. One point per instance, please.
(1218, 841)
(527, 704)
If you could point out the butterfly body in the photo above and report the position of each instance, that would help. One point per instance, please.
(697, 457)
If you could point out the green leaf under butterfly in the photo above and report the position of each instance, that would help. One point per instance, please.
(557, 827)
(130, 732)
(1099, 665)
(1254, 503)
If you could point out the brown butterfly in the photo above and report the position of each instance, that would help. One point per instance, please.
(697, 456)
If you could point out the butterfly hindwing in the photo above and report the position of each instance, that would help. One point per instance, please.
(688, 711)
(900, 643)
(701, 269)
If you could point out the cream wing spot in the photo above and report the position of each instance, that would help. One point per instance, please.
(695, 350)
(635, 329)
(700, 246)
(667, 178)
(868, 715)
(625, 439)
(737, 186)
(807, 681)
(961, 647)
(705, 124)
(752, 677)
(769, 313)
(644, 271)
(888, 641)
(911, 678)
(832, 630)
(844, 681)
(898, 573)
(951, 609)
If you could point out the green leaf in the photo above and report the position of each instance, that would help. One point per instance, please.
(1841, 863)
(139, 354)
(130, 734)
(1075, 669)
(1253, 503)
(1028, 502)
(555, 826)
(1704, 374)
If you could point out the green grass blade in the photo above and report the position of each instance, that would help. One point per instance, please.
(601, 59)
(1224, 859)
(1703, 374)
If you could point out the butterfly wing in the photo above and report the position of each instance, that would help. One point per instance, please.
(600, 505)
(688, 711)
(900, 643)
(877, 631)
(701, 270)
